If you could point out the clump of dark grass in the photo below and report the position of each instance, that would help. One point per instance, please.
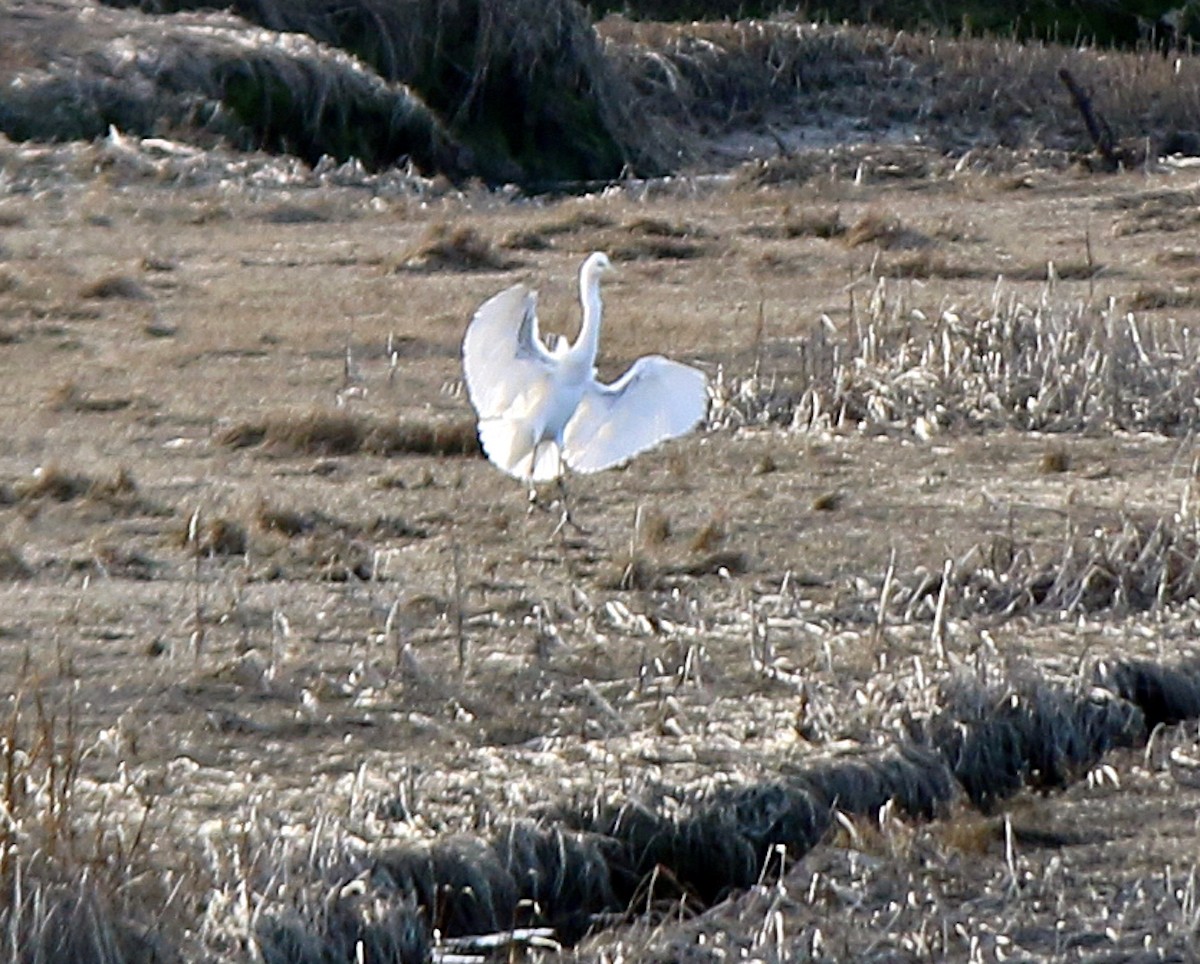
(998, 739)
(69, 397)
(447, 247)
(660, 228)
(710, 536)
(12, 564)
(637, 571)
(344, 433)
(216, 536)
(115, 286)
(882, 230)
(658, 248)
(287, 522)
(928, 262)
(828, 501)
(53, 482)
(1055, 459)
(1157, 298)
(824, 223)
(727, 562)
(653, 527)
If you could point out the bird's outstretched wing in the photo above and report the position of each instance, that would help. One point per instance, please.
(655, 400)
(503, 355)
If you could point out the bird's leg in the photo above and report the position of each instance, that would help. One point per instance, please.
(563, 500)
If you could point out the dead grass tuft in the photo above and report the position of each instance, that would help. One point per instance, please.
(115, 286)
(731, 562)
(875, 227)
(12, 564)
(765, 465)
(527, 240)
(1158, 298)
(660, 248)
(710, 535)
(343, 433)
(447, 247)
(56, 484)
(824, 223)
(219, 536)
(928, 262)
(660, 228)
(295, 214)
(653, 528)
(69, 397)
(828, 501)
(1069, 270)
(289, 522)
(637, 572)
(539, 237)
(1055, 459)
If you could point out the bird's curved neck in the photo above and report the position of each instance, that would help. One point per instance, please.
(588, 342)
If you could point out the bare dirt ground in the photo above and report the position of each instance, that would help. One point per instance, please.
(277, 641)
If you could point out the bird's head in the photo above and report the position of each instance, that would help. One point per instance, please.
(597, 263)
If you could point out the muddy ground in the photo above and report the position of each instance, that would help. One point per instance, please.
(271, 637)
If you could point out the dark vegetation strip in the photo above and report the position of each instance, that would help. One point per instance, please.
(340, 433)
(1126, 23)
(520, 89)
(579, 866)
(531, 92)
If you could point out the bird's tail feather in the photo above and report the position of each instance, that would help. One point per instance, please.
(509, 445)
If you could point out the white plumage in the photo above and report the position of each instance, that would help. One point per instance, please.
(541, 410)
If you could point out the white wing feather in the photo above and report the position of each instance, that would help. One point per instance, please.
(657, 399)
(503, 355)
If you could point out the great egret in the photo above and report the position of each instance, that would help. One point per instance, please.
(541, 409)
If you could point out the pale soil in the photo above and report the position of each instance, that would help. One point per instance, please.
(235, 682)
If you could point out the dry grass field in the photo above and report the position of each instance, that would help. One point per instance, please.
(267, 617)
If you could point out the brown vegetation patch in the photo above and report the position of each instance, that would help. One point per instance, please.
(69, 397)
(823, 223)
(461, 247)
(56, 483)
(115, 286)
(293, 523)
(12, 564)
(295, 214)
(828, 501)
(1153, 298)
(661, 228)
(539, 236)
(218, 536)
(288, 522)
(1069, 270)
(659, 248)
(884, 231)
(1055, 459)
(653, 527)
(345, 433)
(928, 262)
(710, 535)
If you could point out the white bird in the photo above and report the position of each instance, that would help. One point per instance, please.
(541, 409)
